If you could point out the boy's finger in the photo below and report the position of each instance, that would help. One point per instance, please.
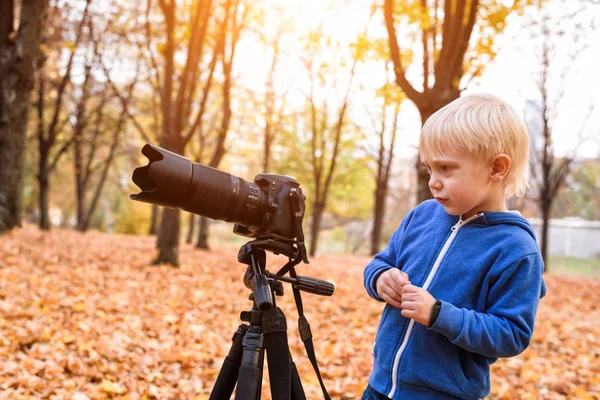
(400, 278)
(386, 297)
(410, 289)
(408, 313)
(408, 305)
(392, 292)
(408, 296)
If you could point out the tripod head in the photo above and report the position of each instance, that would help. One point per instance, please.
(264, 283)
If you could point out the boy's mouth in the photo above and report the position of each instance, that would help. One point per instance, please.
(441, 200)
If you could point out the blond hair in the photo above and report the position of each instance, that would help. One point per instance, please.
(483, 126)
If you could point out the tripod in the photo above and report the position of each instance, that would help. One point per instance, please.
(267, 328)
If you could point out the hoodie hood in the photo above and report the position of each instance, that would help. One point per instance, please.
(505, 218)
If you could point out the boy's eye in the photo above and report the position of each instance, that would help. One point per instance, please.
(445, 168)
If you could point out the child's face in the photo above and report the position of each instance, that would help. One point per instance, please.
(461, 184)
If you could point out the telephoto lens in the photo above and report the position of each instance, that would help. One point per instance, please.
(171, 180)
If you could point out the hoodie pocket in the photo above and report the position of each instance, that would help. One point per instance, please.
(430, 360)
(454, 362)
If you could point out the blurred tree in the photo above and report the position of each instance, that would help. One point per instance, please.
(48, 132)
(553, 33)
(98, 121)
(274, 105)
(450, 58)
(236, 16)
(142, 110)
(325, 141)
(580, 196)
(392, 99)
(19, 52)
(326, 127)
(92, 161)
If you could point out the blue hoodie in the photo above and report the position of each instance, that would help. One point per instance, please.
(486, 271)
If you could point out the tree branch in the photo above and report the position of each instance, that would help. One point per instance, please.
(414, 95)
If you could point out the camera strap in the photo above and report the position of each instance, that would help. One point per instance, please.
(306, 335)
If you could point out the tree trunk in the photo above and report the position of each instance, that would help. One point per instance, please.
(267, 151)
(18, 56)
(190, 234)
(43, 160)
(168, 237)
(154, 220)
(202, 242)
(380, 195)
(12, 143)
(80, 210)
(168, 234)
(426, 111)
(545, 228)
(315, 228)
(43, 195)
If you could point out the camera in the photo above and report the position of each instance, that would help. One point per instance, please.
(270, 207)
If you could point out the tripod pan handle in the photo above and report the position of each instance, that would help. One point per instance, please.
(314, 285)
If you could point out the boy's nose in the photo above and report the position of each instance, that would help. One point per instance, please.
(434, 183)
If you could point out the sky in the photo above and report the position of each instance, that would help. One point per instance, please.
(509, 76)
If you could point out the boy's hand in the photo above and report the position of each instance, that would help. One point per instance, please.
(389, 286)
(417, 304)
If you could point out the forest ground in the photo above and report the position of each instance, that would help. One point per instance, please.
(85, 316)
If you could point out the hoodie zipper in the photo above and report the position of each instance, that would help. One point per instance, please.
(430, 277)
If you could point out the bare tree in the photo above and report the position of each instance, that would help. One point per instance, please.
(48, 134)
(384, 159)
(227, 43)
(326, 129)
(273, 113)
(549, 170)
(19, 52)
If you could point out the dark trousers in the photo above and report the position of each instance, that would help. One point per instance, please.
(372, 394)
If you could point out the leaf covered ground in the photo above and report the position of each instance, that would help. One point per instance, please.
(84, 316)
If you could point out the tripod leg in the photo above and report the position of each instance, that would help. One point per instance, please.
(250, 373)
(276, 345)
(229, 371)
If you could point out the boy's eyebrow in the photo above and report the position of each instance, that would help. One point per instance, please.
(440, 161)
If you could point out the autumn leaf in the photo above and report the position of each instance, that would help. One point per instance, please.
(112, 387)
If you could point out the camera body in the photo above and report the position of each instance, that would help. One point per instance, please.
(285, 204)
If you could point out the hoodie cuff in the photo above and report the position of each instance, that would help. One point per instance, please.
(371, 283)
(449, 321)
(375, 284)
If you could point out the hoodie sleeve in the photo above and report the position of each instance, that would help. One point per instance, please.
(385, 260)
(505, 329)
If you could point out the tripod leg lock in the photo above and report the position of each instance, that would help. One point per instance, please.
(304, 328)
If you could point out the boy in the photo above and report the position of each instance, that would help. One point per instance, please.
(462, 275)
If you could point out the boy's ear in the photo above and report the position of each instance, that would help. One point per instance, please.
(500, 167)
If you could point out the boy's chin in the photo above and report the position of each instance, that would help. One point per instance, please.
(452, 210)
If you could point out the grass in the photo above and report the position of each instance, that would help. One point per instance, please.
(589, 267)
